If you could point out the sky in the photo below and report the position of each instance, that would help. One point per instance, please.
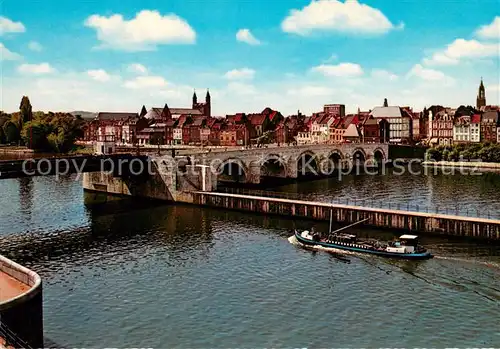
(117, 55)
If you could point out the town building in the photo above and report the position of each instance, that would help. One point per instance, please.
(489, 122)
(475, 128)
(399, 121)
(370, 130)
(461, 130)
(303, 136)
(234, 135)
(337, 110)
(204, 108)
(351, 134)
(320, 129)
(442, 127)
(122, 126)
(260, 124)
(336, 131)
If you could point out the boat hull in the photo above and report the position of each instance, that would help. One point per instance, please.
(358, 248)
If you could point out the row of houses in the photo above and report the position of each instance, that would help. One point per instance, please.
(383, 124)
(176, 126)
(453, 126)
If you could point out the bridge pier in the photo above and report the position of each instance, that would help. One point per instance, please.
(253, 175)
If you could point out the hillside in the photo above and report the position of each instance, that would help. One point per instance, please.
(84, 114)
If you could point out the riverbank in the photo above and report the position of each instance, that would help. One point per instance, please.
(15, 150)
(476, 165)
(19, 152)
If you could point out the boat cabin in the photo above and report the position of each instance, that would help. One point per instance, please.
(409, 240)
(405, 244)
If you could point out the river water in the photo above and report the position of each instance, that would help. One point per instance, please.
(145, 274)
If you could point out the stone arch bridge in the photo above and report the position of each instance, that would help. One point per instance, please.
(250, 165)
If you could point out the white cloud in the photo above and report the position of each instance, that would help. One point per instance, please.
(490, 31)
(146, 82)
(240, 74)
(9, 26)
(246, 36)
(241, 88)
(144, 32)
(427, 73)
(35, 46)
(7, 55)
(463, 49)
(311, 91)
(42, 68)
(384, 75)
(333, 15)
(99, 75)
(339, 70)
(137, 68)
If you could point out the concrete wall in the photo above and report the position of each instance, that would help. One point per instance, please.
(382, 218)
(164, 183)
(24, 314)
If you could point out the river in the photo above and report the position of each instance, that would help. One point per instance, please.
(145, 274)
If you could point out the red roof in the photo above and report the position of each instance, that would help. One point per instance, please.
(351, 119)
(257, 119)
(476, 119)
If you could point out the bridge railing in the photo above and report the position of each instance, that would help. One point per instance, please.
(456, 210)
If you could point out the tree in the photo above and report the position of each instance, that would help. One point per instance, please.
(25, 109)
(34, 135)
(11, 132)
(433, 154)
(446, 154)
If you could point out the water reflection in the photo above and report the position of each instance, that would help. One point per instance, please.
(26, 195)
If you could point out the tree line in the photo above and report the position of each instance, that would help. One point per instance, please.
(487, 152)
(52, 132)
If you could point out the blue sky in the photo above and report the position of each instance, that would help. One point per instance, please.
(289, 55)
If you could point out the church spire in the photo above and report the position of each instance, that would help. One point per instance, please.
(207, 97)
(481, 96)
(195, 98)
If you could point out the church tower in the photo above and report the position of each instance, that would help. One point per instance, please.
(481, 96)
(208, 106)
(195, 100)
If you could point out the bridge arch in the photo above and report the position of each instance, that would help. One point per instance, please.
(358, 157)
(307, 164)
(333, 161)
(273, 165)
(232, 170)
(379, 156)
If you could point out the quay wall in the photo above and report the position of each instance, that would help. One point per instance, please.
(23, 315)
(415, 222)
(476, 165)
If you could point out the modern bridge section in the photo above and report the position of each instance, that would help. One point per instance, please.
(398, 220)
(119, 164)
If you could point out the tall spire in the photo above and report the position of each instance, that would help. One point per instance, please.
(195, 98)
(481, 96)
(208, 105)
